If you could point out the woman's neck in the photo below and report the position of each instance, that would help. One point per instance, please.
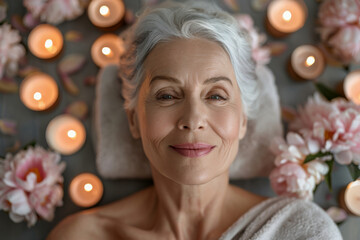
(192, 211)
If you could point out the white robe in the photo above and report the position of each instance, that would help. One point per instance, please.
(283, 218)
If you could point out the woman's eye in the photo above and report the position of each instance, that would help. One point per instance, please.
(217, 97)
(165, 97)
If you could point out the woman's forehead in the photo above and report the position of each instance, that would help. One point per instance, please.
(188, 55)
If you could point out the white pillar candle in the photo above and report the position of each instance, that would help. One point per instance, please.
(86, 190)
(352, 197)
(65, 134)
(285, 16)
(106, 13)
(307, 62)
(352, 86)
(107, 49)
(38, 91)
(45, 41)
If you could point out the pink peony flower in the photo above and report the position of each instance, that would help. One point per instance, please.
(55, 11)
(30, 21)
(339, 13)
(11, 51)
(260, 54)
(340, 28)
(292, 177)
(345, 44)
(30, 184)
(334, 125)
(291, 180)
(294, 150)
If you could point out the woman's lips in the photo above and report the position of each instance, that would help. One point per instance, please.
(193, 150)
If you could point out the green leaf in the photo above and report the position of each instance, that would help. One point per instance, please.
(330, 163)
(30, 144)
(312, 157)
(354, 171)
(326, 92)
(316, 187)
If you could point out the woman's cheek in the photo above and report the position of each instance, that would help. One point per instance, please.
(161, 121)
(226, 123)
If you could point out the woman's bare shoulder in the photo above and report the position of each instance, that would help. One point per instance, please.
(132, 211)
(75, 226)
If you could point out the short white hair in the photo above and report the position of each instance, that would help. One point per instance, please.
(193, 19)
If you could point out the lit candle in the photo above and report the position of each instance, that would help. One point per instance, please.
(285, 16)
(307, 62)
(65, 134)
(106, 13)
(86, 190)
(45, 41)
(352, 86)
(107, 49)
(349, 198)
(38, 91)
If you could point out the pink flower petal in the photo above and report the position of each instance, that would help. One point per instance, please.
(78, 109)
(73, 36)
(15, 217)
(259, 5)
(71, 63)
(19, 202)
(344, 157)
(8, 85)
(232, 4)
(8, 127)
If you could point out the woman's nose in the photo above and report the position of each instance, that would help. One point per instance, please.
(193, 117)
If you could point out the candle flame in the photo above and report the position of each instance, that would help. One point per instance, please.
(37, 96)
(310, 61)
(287, 15)
(71, 134)
(88, 187)
(48, 43)
(104, 11)
(106, 51)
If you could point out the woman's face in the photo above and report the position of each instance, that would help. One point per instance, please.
(189, 113)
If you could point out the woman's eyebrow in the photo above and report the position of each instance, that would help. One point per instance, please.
(217, 79)
(166, 78)
(207, 81)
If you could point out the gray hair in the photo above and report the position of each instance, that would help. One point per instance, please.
(194, 19)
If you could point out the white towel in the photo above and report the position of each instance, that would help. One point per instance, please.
(284, 218)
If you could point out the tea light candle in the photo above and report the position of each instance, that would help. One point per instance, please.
(107, 49)
(65, 134)
(106, 13)
(38, 91)
(350, 198)
(285, 16)
(86, 190)
(307, 62)
(45, 41)
(352, 87)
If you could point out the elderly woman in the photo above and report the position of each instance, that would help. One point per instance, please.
(190, 87)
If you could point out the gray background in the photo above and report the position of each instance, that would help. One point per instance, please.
(32, 125)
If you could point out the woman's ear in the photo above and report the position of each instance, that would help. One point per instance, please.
(133, 123)
(243, 126)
